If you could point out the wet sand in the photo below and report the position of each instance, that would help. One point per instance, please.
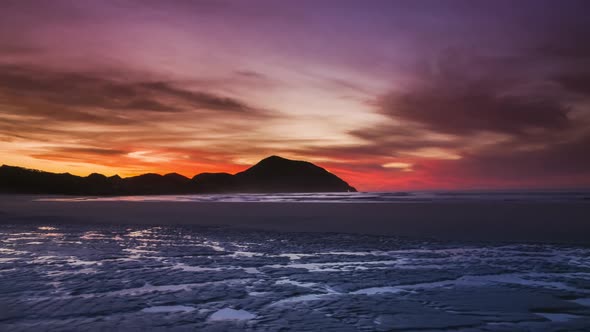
(477, 221)
(188, 278)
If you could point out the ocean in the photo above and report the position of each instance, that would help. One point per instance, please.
(360, 197)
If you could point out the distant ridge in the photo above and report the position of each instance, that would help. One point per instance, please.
(271, 175)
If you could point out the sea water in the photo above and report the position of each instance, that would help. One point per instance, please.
(360, 197)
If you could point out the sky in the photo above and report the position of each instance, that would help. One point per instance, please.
(389, 95)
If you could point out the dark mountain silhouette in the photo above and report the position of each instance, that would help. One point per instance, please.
(276, 174)
(215, 182)
(271, 175)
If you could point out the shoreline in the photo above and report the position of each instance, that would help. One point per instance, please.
(559, 222)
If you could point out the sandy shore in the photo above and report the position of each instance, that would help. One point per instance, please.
(493, 221)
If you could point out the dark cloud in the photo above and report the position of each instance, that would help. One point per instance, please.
(92, 151)
(565, 163)
(72, 92)
(384, 141)
(471, 109)
(100, 117)
(521, 119)
(104, 156)
(197, 99)
(250, 74)
(17, 49)
(578, 82)
(563, 37)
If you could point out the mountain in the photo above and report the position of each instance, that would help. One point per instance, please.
(276, 174)
(271, 175)
(215, 182)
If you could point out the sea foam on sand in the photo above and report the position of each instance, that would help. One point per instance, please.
(231, 314)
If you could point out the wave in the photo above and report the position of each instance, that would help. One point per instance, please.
(357, 197)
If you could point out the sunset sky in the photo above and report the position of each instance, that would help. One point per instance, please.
(389, 95)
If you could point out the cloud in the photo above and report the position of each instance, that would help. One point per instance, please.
(197, 99)
(250, 74)
(77, 90)
(561, 164)
(471, 120)
(103, 118)
(479, 93)
(16, 49)
(468, 110)
(92, 151)
(577, 83)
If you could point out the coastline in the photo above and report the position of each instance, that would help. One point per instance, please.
(531, 222)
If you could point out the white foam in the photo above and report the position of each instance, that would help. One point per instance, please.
(258, 293)
(214, 245)
(13, 239)
(140, 233)
(378, 290)
(301, 298)
(190, 268)
(92, 236)
(7, 259)
(231, 314)
(334, 266)
(350, 253)
(168, 308)
(246, 254)
(296, 283)
(557, 317)
(70, 272)
(584, 302)
(46, 228)
(86, 271)
(139, 251)
(294, 257)
(12, 251)
(77, 262)
(148, 288)
(251, 270)
(51, 234)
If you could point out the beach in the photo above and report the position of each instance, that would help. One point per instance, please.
(144, 263)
